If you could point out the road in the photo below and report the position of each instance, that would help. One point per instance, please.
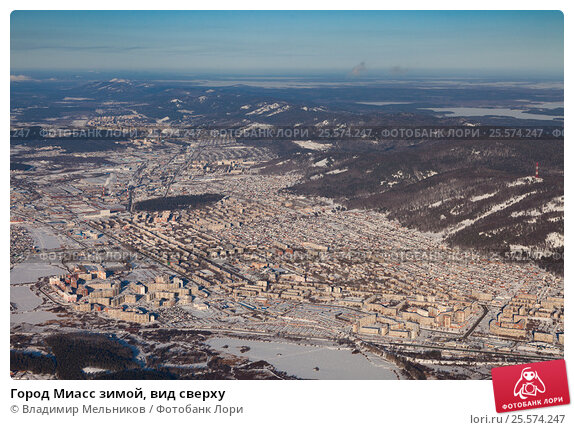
(480, 351)
(478, 321)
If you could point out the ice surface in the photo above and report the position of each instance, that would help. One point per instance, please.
(301, 360)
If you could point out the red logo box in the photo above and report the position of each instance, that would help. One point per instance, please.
(530, 386)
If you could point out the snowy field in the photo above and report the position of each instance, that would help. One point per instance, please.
(309, 144)
(43, 237)
(301, 360)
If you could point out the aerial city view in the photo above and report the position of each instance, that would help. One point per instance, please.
(354, 195)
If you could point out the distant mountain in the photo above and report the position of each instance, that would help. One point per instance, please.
(193, 104)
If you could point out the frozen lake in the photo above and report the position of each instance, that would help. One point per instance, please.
(23, 298)
(32, 317)
(26, 301)
(384, 103)
(28, 272)
(301, 360)
(514, 113)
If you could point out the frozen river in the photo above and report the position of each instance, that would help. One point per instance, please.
(301, 360)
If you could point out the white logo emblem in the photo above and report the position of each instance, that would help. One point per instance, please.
(529, 384)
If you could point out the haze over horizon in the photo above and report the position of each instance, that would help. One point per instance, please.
(349, 44)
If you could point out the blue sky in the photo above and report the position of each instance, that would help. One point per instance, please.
(388, 42)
